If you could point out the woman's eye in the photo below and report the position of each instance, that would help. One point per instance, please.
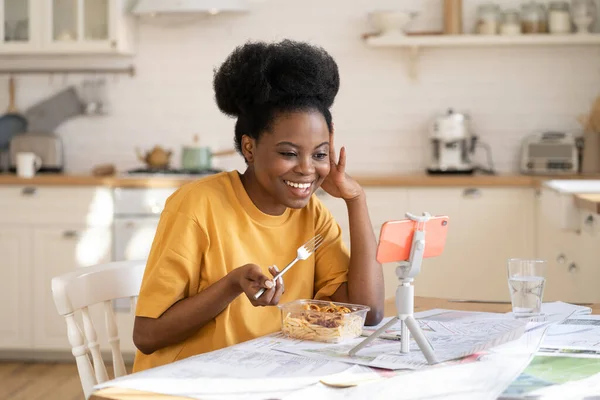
(321, 156)
(288, 154)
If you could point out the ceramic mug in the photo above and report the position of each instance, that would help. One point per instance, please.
(28, 164)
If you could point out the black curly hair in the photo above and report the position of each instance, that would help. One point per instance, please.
(260, 80)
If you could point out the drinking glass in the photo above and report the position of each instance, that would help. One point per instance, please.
(526, 280)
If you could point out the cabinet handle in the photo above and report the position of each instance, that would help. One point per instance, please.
(572, 267)
(70, 234)
(129, 225)
(561, 259)
(472, 193)
(590, 220)
(28, 191)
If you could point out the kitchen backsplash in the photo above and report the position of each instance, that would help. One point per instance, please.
(381, 116)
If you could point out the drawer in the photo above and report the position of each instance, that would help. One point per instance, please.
(22, 204)
(141, 201)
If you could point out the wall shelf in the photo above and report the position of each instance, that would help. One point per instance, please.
(415, 43)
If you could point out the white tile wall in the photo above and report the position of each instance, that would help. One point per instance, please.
(380, 115)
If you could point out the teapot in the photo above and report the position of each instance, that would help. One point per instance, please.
(155, 158)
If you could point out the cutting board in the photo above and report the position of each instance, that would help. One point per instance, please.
(48, 114)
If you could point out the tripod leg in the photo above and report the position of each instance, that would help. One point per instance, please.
(421, 340)
(404, 338)
(372, 337)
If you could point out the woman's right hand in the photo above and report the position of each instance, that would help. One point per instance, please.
(251, 279)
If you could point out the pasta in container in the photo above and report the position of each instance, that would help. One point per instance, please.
(322, 321)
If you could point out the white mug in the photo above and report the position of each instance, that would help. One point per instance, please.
(28, 164)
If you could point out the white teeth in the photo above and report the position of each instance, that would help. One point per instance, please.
(298, 185)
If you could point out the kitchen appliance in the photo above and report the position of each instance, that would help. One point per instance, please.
(137, 212)
(199, 158)
(453, 145)
(47, 146)
(549, 153)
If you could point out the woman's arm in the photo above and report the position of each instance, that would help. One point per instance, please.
(184, 318)
(365, 276)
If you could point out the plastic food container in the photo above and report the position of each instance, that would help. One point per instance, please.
(322, 321)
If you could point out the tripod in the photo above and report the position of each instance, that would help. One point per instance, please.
(405, 294)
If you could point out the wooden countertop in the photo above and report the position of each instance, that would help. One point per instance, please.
(398, 180)
(421, 304)
(589, 202)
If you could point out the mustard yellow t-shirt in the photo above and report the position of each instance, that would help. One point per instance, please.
(210, 227)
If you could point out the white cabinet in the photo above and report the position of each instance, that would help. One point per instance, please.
(572, 252)
(44, 232)
(384, 204)
(487, 226)
(56, 251)
(67, 27)
(20, 30)
(15, 288)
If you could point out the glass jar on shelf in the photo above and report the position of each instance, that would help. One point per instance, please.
(533, 18)
(559, 17)
(488, 19)
(584, 14)
(510, 23)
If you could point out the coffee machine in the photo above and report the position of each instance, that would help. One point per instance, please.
(452, 144)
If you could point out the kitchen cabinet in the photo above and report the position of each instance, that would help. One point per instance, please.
(44, 232)
(384, 204)
(67, 27)
(487, 226)
(15, 288)
(56, 251)
(571, 253)
(20, 29)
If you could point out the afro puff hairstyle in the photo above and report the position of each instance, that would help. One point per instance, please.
(260, 80)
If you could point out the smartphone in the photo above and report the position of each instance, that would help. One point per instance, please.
(395, 239)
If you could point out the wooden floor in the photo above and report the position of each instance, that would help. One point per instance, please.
(37, 381)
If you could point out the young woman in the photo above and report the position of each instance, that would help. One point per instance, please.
(221, 238)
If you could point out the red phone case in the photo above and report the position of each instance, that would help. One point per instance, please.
(395, 239)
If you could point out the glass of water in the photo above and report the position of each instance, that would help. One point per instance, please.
(526, 280)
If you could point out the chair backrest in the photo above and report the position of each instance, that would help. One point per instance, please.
(78, 290)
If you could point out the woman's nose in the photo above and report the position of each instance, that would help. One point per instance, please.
(306, 166)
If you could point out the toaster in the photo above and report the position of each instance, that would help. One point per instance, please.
(549, 153)
(45, 145)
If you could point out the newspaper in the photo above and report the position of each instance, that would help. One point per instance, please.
(246, 371)
(452, 338)
(258, 369)
(578, 336)
(567, 364)
(485, 379)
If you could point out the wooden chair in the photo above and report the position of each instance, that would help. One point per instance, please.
(76, 291)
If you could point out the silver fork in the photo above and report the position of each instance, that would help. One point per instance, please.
(304, 251)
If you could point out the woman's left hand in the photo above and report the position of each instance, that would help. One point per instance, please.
(338, 183)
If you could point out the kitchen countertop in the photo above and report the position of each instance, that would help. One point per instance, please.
(398, 180)
(588, 201)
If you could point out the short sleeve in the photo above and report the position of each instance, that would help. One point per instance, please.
(173, 267)
(332, 258)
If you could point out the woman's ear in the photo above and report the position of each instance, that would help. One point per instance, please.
(248, 147)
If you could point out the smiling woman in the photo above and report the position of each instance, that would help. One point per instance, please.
(220, 238)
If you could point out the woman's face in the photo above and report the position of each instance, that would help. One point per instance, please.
(290, 161)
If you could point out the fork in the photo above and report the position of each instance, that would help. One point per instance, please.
(304, 251)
